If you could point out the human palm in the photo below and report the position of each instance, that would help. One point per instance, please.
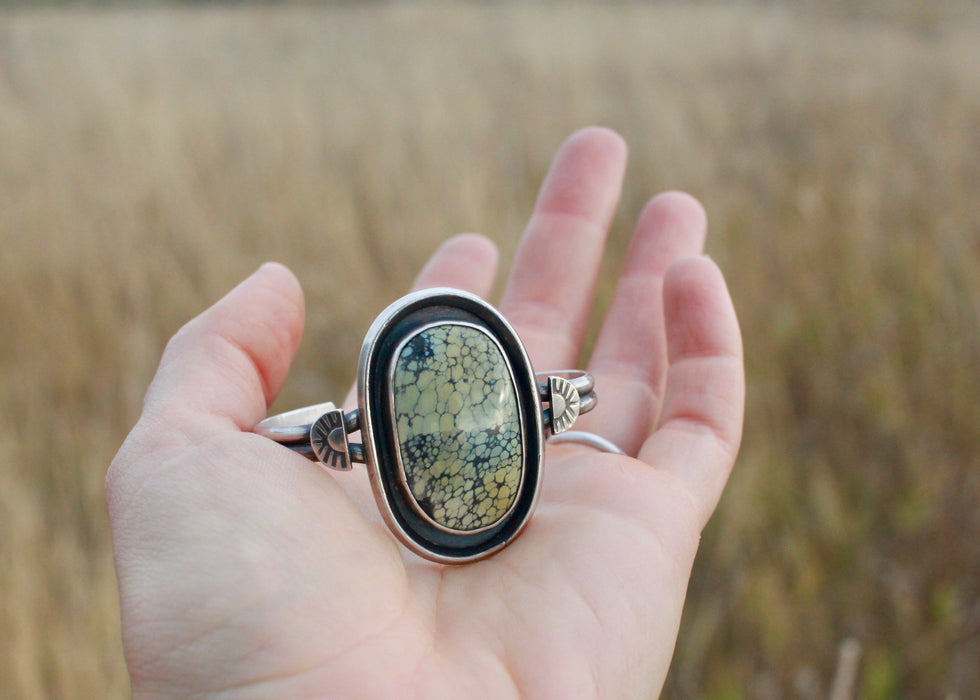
(245, 571)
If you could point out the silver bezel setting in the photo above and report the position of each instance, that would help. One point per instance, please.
(428, 308)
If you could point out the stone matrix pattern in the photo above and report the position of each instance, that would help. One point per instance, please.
(458, 426)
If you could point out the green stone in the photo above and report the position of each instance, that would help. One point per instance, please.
(458, 426)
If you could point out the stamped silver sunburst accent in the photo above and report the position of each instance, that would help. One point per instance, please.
(565, 404)
(328, 437)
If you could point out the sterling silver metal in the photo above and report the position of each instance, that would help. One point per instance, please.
(321, 432)
(295, 429)
(581, 437)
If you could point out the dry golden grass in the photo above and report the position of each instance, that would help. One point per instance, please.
(150, 159)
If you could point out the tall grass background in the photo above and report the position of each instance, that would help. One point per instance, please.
(151, 158)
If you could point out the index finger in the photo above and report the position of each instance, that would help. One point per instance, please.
(549, 294)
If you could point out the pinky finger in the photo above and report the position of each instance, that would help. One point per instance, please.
(700, 426)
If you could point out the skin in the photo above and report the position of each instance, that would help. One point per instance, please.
(247, 572)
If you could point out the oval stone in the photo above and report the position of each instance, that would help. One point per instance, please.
(457, 426)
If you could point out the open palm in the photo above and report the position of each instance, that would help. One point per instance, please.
(245, 571)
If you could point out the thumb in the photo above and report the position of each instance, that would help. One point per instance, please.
(231, 361)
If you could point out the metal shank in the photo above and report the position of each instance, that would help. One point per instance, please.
(295, 429)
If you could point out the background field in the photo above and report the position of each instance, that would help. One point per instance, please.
(150, 159)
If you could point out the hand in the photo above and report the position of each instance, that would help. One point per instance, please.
(246, 571)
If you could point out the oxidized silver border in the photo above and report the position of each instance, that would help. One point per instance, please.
(403, 477)
(368, 422)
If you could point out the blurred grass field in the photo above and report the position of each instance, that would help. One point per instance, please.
(149, 159)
